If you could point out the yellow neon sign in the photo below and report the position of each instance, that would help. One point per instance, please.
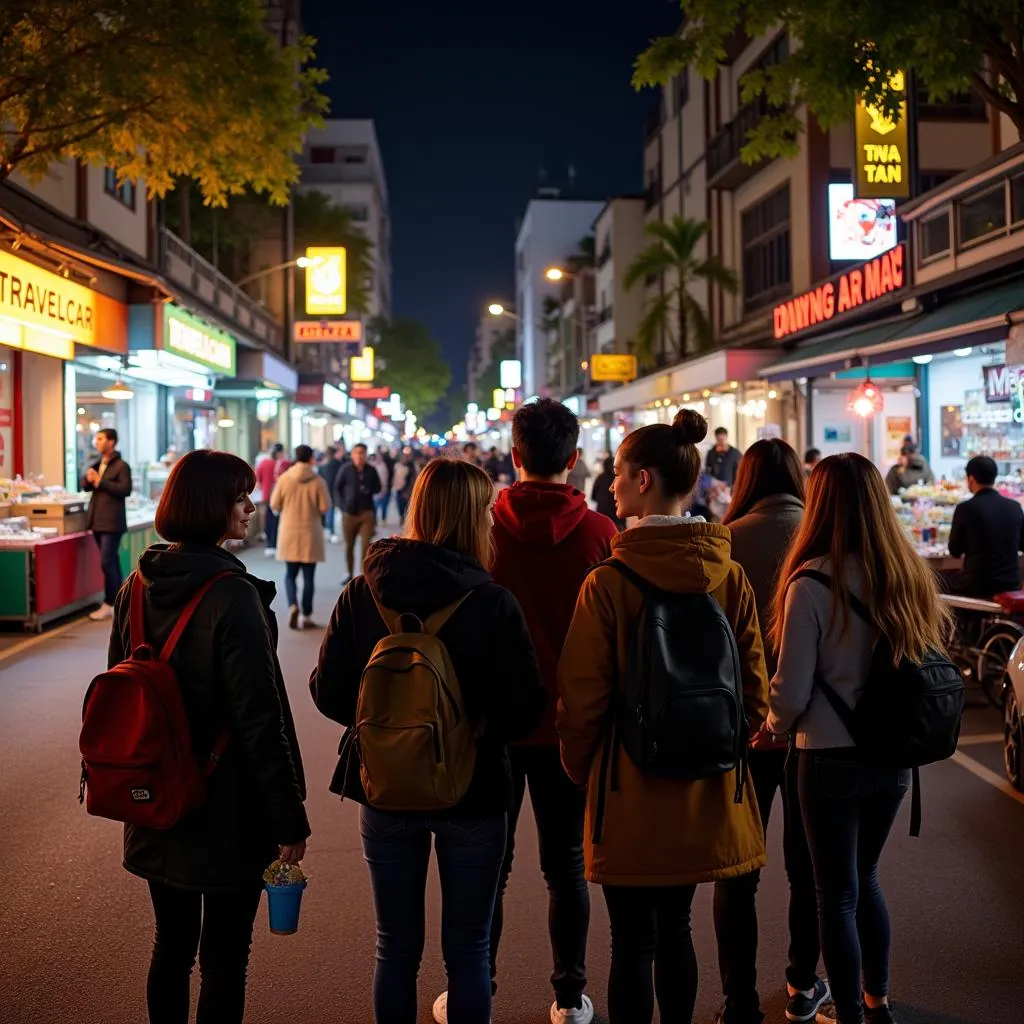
(326, 281)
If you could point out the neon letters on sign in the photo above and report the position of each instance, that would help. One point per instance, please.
(874, 280)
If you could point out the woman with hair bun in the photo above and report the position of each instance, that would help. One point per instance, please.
(651, 839)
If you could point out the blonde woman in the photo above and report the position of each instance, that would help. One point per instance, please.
(822, 631)
(444, 555)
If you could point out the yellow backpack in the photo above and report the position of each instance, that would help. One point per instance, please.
(417, 747)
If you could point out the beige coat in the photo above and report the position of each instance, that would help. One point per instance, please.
(300, 498)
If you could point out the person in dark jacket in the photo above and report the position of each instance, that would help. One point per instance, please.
(911, 469)
(546, 542)
(442, 558)
(336, 458)
(354, 493)
(205, 873)
(766, 511)
(601, 495)
(110, 481)
(988, 532)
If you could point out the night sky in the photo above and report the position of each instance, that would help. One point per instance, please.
(471, 101)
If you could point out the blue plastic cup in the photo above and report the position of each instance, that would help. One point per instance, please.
(283, 904)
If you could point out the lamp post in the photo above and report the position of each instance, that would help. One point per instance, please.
(300, 261)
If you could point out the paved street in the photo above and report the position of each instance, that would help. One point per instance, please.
(75, 929)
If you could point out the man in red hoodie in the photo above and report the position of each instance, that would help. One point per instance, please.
(546, 541)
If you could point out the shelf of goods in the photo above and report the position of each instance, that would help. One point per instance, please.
(926, 514)
(49, 563)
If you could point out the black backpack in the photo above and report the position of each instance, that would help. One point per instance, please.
(680, 713)
(909, 714)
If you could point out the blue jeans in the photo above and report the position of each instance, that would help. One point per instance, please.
(110, 562)
(469, 856)
(382, 503)
(848, 809)
(291, 590)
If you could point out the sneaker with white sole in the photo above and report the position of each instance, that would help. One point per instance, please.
(269, 552)
(804, 1007)
(293, 617)
(440, 1009)
(306, 622)
(105, 611)
(582, 1014)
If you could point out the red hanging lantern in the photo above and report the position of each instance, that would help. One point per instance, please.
(866, 399)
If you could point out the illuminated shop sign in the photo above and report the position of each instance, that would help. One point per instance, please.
(881, 164)
(187, 336)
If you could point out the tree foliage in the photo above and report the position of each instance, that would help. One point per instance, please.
(410, 362)
(674, 314)
(159, 91)
(843, 51)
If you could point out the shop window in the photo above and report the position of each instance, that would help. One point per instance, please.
(933, 237)
(1017, 199)
(124, 193)
(767, 265)
(983, 215)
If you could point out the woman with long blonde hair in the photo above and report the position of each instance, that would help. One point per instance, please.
(826, 631)
(435, 579)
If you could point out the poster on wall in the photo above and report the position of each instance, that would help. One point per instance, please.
(859, 229)
(897, 430)
(952, 431)
(837, 433)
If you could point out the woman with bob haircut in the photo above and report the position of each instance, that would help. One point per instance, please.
(766, 511)
(205, 873)
(442, 559)
(850, 533)
(650, 870)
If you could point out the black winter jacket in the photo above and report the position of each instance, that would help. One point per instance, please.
(487, 639)
(106, 506)
(354, 489)
(226, 662)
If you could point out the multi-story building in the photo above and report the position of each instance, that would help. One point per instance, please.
(619, 239)
(343, 160)
(489, 332)
(551, 230)
(571, 336)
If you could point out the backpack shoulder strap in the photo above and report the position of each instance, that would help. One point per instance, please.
(436, 622)
(389, 618)
(645, 587)
(186, 613)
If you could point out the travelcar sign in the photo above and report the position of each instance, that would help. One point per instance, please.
(852, 290)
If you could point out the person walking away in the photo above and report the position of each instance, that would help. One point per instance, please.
(910, 470)
(601, 495)
(354, 493)
(205, 873)
(766, 511)
(329, 471)
(579, 474)
(652, 836)
(435, 579)
(405, 478)
(851, 534)
(723, 461)
(109, 480)
(988, 533)
(546, 540)
(383, 466)
(266, 477)
(811, 458)
(300, 498)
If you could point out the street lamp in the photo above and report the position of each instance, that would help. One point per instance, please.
(497, 309)
(301, 261)
(556, 274)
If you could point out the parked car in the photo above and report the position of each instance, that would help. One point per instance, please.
(1013, 718)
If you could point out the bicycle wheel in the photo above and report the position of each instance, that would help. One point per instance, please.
(994, 649)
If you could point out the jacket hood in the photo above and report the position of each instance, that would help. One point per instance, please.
(301, 471)
(173, 574)
(542, 515)
(684, 558)
(415, 577)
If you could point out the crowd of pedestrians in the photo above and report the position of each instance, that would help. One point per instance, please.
(657, 688)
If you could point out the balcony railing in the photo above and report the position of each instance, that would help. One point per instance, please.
(185, 267)
(726, 171)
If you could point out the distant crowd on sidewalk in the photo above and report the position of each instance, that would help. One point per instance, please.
(654, 689)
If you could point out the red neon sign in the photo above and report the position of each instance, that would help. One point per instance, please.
(882, 276)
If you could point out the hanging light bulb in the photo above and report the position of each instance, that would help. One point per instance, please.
(224, 421)
(866, 400)
(118, 391)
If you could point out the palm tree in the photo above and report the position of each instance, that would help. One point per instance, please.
(675, 314)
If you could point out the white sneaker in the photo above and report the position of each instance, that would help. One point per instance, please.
(306, 622)
(440, 1010)
(583, 1015)
(335, 539)
(270, 552)
(105, 611)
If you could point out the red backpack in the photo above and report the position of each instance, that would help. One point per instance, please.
(138, 765)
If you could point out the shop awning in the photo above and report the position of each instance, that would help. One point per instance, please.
(978, 319)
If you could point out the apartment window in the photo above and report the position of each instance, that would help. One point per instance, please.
(681, 91)
(933, 237)
(354, 158)
(927, 180)
(123, 193)
(767, 266)
(1017, 199)
(321, 155)
(983, 215)
(960, 106)
(359, 213)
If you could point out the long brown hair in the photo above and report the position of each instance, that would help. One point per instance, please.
(849, 514)
(448, 506)
(768, 467)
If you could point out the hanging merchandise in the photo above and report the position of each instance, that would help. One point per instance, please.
(866, 399)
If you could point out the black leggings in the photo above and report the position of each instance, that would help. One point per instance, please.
(219, 927)
(651, 928)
